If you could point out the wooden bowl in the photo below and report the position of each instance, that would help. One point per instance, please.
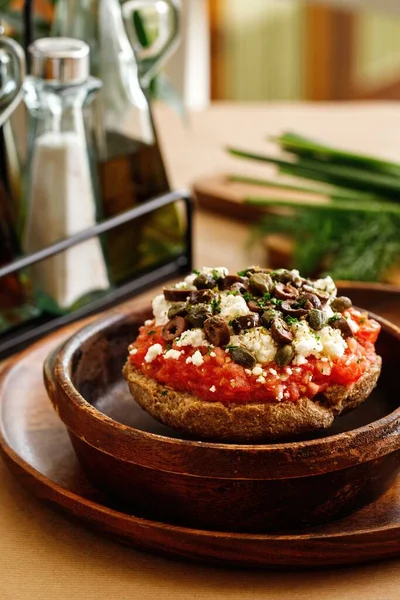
(153, 472)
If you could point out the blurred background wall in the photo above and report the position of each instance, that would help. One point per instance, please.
(293, 49)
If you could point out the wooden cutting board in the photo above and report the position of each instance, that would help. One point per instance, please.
(217, 193)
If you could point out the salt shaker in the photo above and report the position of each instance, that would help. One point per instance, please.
(61, 189)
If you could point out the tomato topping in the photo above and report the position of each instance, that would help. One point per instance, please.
(217, 378)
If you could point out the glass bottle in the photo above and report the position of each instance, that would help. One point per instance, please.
(61, 187)
(15, 306)
(130, 165)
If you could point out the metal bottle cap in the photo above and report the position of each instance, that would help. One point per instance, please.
(60, 60)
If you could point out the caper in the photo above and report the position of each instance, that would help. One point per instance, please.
(198, 314)
(341, 303)
(282, 275)
(284, 355)
(179, 309)
(316, 318)
(243, 357)
(260, 283)
(269, 316)
(204, 282)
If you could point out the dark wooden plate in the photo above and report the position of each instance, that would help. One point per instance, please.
(38, 451)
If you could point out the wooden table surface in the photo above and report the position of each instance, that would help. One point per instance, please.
(44, 556)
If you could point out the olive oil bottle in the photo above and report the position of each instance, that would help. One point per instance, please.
(129, 161)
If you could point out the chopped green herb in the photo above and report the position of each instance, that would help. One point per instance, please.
(231, 347)
(168, 347)
(317, 337)
(335, 317)
(216, 275)
(216, 305)
(196, 271)
(362, 320)
(152, 332)
(164, 392)
(243, 273)
(247, 296)
(358, 361)
(291, 320)
(232, 292)
(276, 302)
(209, 350)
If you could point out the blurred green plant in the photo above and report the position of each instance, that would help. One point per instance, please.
(351, 225)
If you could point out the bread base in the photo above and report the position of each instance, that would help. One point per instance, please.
(250, 421)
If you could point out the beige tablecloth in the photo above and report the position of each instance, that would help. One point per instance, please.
(44, 556)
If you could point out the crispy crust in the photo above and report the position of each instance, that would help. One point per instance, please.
(248, 422)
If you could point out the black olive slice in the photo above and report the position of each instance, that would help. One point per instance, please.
(201, 297)
(174, 328)
(175, 295)
(311, 301)
(217, 331)
(227, 282)
(245, 322)
(292, 311)
(285, 292)
(343, 326)
(281, 333)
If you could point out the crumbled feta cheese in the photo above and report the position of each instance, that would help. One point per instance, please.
(326, 285)
(132, 351)
(299, 360)
(213, 354)
(148, 322)
(188, 360)
(353, 325)
(289, 371)
(221, 272)
(259, 342)
(190, 278)
(174, 354)
(247, 371)
(261, 379)
(213, 388)
(233, 306)
(334, 345)
(154, 351)
(160, 309)
(182, 285)
(306, 341)
(192, 337)
(257, 370)
(328, 312)
(273, 372)
(197, 358)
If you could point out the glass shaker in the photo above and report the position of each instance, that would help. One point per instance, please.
(130, 165)
(61, 187)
